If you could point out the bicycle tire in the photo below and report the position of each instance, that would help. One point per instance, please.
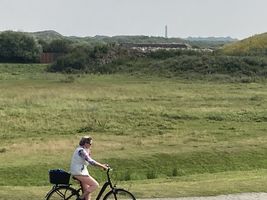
(119, 194)
(63, 193)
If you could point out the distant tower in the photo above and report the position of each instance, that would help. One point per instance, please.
(166, 31)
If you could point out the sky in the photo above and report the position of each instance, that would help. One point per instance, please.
(197, 18)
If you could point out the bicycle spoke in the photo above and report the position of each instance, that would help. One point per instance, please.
(63, 193)
(70, 196)
(119, 194)
(60, 193)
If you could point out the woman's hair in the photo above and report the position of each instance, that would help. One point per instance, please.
(85, 139)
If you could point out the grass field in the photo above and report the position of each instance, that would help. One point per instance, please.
(163, 137)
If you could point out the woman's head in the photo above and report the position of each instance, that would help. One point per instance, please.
(85, 140)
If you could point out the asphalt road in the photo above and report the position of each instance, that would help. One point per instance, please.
(244, 196)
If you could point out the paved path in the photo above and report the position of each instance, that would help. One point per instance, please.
(244, 196)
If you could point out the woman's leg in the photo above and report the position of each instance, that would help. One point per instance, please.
(89, 184)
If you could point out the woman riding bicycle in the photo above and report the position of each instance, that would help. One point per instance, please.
(80, 160)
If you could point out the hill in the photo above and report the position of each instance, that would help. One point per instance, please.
(255, 45)
(212, 39)
(47, 35)
(209, 42)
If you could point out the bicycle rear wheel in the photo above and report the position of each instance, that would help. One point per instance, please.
(63, 193)
(119, 194)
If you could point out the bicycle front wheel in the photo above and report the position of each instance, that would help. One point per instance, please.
(63, 193)
(119, 194)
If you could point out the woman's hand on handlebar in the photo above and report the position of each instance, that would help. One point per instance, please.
(106, 167)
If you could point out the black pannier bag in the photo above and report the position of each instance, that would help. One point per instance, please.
(59, 176)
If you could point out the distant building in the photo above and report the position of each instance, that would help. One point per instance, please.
(145, 47)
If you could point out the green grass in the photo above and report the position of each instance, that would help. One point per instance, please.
(159, 134)
(254, 45)
(195, 185)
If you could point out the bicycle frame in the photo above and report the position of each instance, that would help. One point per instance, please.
(106, 184)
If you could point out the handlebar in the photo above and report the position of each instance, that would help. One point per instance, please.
(108, 170)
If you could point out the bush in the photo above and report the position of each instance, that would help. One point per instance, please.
(165, 54)
(87, 59)
(18, 47)
(105, 59)
(151, 174)
(57, 46)
(70, 63)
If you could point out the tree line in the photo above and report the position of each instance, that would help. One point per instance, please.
(24, 48)
(81, 57)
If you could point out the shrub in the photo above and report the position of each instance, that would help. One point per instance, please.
(151, 174)
(2, 150)
(57, 46)
(89, 59)
(18, 47)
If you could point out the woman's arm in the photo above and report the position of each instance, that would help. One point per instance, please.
(82, 153)
(91, 161)
(104, 166)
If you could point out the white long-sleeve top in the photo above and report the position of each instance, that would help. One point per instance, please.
(79, 162)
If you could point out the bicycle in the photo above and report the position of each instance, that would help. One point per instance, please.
(66, 192)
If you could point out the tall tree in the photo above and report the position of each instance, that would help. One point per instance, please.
(18, 47)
